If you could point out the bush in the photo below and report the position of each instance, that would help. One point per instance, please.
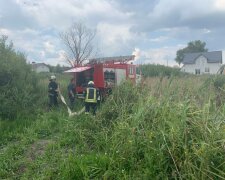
(17, 82)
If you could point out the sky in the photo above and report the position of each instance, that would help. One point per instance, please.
(153, 30)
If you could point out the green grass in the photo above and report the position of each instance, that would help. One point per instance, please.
(155, 70)
(162, 129)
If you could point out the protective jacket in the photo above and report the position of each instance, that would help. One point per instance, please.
(71, 90)
(90, 95)
(52, 88)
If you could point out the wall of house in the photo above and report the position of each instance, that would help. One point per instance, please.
(223, 57)
(42, 69)
(202, 65)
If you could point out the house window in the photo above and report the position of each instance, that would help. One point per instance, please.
(207, 70)
(197, 71)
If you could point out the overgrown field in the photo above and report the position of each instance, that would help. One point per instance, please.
(155, 70)
(162, 129)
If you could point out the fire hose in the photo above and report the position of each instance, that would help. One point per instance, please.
(68, 109)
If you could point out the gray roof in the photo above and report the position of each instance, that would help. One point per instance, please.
(212, 57)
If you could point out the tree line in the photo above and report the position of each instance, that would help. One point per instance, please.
(58, 68)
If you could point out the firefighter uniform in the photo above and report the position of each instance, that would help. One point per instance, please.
(90, 98)
(53, 92)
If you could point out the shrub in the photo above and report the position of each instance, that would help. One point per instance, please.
(17, 82)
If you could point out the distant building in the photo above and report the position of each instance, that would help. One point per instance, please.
(40, 67)
(176, 67)
(203, 62)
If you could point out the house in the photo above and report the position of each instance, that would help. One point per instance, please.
(40, 67)
(203, 62)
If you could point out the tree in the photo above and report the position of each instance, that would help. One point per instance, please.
(18, 84)
(78, 39)
(192, 47)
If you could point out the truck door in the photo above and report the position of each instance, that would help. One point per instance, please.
(120, 75)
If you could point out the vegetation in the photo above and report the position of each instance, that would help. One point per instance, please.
(58, 69)
(78, 40)
(17, 82)
(192, 47)
(164, 129)
(152, 70)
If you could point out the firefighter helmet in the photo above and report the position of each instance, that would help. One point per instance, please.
(52, 77)
(90, 83)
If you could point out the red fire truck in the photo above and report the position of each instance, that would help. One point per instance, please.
(105, 72)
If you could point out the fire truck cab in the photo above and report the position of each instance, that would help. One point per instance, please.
(105, 72)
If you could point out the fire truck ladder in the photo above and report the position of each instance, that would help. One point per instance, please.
(112, 60)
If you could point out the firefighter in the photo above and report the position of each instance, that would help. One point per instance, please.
(53, 92)
(91, 95)
(72, 92)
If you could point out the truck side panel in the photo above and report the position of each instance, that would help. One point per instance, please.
(98, 76)
(120, 75)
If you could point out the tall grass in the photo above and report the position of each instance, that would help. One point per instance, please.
(162, 129)
(61, 79)
(154, 70)
(166, 135)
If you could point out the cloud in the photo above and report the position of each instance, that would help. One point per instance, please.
(220, 5)
(159, 39)
(156, 27)
(164, 55)
(4, 31)
(49, 47)
(186, 13)
(58, 58)
(13, 17)
(60, 14)
(116, 38)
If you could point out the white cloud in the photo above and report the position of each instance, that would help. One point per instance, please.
(159, 39)
(58, 59)
(163, 56)
(186, 9)
(156, 27)
(206, 31)
(4, 31)
(49, 47)
(219, 4)
(114, 37)
(112, 33)
(60, 14)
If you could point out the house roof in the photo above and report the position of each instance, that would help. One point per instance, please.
(212, 57)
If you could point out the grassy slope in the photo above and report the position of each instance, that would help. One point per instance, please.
(167, 128)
